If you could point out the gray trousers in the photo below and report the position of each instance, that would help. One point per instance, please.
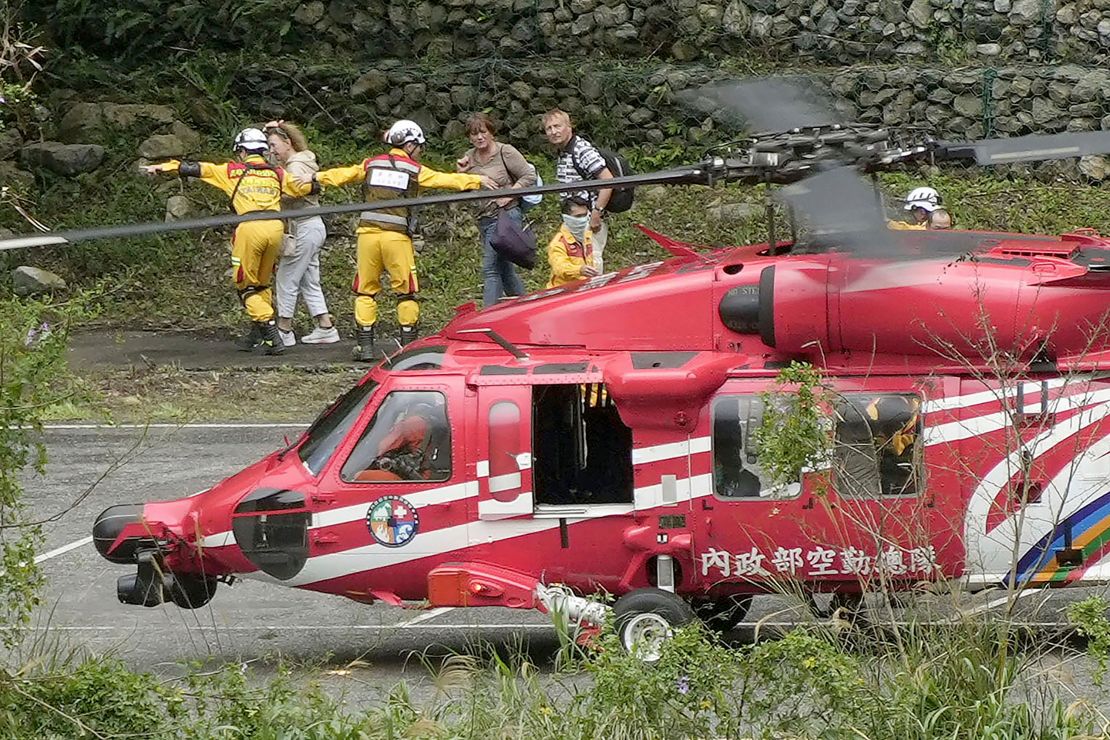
(300, 273)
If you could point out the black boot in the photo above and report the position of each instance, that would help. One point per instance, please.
(364, 344)
(250, 340)
(408, 334)
(271, 340)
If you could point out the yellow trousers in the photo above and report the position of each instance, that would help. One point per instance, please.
(390, 251)
(254, 251)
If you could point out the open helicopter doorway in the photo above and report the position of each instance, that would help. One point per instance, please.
(582, 448)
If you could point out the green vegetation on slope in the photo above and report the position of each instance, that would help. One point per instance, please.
(180, 280)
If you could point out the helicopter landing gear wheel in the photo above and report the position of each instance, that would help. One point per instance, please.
(723, 613)
(646, 618)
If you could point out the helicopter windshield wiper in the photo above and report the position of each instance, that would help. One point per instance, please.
(505, 343)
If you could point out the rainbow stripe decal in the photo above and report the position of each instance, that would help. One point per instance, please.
(1090, 532)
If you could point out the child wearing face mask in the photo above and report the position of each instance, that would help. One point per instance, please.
(571, 252)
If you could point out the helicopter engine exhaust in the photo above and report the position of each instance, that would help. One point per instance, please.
(788, 309)
(813, 306)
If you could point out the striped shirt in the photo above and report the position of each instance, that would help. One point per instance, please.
(589, 161)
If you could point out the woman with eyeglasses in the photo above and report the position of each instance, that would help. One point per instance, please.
(298, 271)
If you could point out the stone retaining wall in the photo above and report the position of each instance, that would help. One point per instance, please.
(838, 31)
(624, 104)
(756, 32)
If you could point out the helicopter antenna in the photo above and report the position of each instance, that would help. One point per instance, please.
(505, 343)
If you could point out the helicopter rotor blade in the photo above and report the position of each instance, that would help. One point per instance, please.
(1033, 148)
(840, 208)
(681, 175)
(844, 214)
(774, 104)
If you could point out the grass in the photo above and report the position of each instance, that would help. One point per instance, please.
(964, 680)
(168, 394)
(181, 281)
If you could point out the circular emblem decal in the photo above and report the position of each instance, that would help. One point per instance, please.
(393, 521)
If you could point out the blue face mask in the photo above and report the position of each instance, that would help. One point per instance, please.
(576, 225)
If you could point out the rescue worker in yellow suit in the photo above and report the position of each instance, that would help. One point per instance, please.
(252, 184)
(384, 240)
(921, 203)
(894, 421)
(571, 256)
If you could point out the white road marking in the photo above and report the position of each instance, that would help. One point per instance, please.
(166, 425)
(63, 549)
(426, 616)
(762, 626)
(996, 603)
(314, 627)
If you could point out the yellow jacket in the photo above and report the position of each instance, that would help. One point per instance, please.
(904, 226)
(255, 185)
(567, 256)
(427, 178)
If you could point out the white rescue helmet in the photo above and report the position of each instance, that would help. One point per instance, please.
(927, 199)
(251, 140)
(405, 132)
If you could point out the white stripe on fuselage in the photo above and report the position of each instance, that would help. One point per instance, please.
(670, 450)
(1073, 487)
(996, 395)
(465, 490)
(954, 431)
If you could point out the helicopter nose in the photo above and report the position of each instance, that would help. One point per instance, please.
(108, 527)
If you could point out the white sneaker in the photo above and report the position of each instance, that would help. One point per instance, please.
(319, 335)
(287, 337)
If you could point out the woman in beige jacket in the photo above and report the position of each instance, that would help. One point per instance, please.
(298, 271)
(508, 168)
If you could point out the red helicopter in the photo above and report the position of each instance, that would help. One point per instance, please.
(604, 436)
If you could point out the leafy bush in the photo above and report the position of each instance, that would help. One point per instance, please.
(33, 341)
(147, 29)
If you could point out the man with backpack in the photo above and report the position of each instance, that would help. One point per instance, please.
(580, 160)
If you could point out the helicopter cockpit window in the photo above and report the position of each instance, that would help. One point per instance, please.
(331, 427)
(409, 439)
(419, 358)
(736, 470)
(582, 449)
(878, 445)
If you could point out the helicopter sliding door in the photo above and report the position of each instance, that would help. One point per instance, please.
(504, 451)
(583, 451)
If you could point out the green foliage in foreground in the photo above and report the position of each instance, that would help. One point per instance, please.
(32, 355)
(925, 682)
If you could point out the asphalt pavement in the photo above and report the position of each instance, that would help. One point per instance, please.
(198, 351)
(91, 468)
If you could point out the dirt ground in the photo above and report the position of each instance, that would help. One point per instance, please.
(138, 376)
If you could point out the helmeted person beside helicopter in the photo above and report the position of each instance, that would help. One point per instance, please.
(384, 240)
(252, 184)
(922, 203)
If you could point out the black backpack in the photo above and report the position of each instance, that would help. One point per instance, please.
(621, 198)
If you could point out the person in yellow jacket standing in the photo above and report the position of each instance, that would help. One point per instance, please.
(384, 240)
(252, 184)
(571, 256)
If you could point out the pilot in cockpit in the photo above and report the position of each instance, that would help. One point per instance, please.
(417, 447)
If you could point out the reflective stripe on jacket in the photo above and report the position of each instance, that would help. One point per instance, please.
(388, 177)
